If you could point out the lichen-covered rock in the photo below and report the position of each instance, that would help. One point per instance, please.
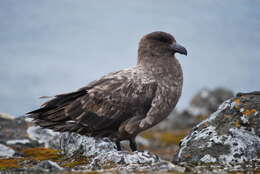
(12, 128)
(103, 152)
(14, 132)
(97, 154)
(48, 166)
(231, 135)
(46, 137)
(6, 151)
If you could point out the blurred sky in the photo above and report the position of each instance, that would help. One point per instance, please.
(49, 47)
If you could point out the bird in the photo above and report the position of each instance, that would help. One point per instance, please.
(124, 103)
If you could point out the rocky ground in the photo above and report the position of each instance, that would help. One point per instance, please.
(196, 140)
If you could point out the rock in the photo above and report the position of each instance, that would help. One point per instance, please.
(231, 135)
(12, 128)
(207, 101)
(102, 152)
(14, 132)
(97, 153)
(6, 151)
(48, 166)
(47, 137)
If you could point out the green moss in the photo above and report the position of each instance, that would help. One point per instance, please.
(40, 153)
(109, 165)
(165, 138)
(200, 117)
(76, 162)
(8, 163)
(169, 138)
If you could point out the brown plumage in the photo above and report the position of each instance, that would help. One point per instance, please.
(122, 104)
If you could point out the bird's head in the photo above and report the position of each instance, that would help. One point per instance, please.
(159, 44)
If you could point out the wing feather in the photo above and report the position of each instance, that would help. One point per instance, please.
(101, 105)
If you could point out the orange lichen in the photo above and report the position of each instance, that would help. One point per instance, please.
(41, 153)
(249, 112)
(237, 124)
(187, 155)
(8, 163)
(237, 101)
(227, 116)
(206, 124)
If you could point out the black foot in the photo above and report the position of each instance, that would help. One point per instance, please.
(118, 145)
(133, 144)
(248, 93)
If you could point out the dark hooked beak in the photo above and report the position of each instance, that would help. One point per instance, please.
(179, 49)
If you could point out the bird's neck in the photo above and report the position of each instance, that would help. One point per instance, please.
(160, 65)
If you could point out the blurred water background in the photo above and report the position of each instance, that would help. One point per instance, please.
(49, 47)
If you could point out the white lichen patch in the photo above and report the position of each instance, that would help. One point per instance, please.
(21, 141)
(48, 165)
(6, 151)
(204, 133)
(208, 159)
(244, 119)
(56, 165)
(241, 110)
(243, 146)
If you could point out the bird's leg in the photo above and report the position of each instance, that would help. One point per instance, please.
(118, 145)
(133, 144)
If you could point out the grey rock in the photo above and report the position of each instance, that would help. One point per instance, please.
(12, 128)
(231, 135)
(47, 137)
(103, 151)
(14, 132)
(99, 152)
(6, 151)
(207, 101)
(48, 166)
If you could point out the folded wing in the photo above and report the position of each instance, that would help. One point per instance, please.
(97, 109)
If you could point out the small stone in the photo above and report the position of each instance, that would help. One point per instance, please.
(48, 166)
